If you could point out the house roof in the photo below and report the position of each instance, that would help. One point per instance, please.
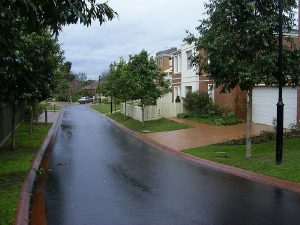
(169, 51)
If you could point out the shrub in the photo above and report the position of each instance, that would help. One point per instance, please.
(184, 115)
(197, 102)
(216, 110)
(230, 119)
(177, 100)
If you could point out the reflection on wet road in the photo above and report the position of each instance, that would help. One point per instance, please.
(101, 175)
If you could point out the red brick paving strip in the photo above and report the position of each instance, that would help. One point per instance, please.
(23, 211)
(217, 166)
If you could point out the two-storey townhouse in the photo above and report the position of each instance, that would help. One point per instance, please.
(185, 76)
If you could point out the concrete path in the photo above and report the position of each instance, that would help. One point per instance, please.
(102, 175)
(202, 134)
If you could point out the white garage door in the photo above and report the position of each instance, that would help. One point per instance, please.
(264, 105)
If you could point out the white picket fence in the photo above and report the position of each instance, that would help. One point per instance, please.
(153, 112)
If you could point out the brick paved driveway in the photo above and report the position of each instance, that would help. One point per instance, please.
(202, 134)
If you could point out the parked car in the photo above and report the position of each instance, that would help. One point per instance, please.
(84, 100)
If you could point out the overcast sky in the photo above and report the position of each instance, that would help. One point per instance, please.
(152, 25)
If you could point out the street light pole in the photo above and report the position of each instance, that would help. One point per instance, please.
(280, 105)
(111, 105)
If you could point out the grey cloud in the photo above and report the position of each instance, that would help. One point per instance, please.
(151, 25)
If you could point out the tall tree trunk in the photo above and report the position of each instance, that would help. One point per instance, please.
(30, 119)
(13, 128)
(249, 125)
(36, 113)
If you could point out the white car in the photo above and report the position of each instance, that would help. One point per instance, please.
(84, 100)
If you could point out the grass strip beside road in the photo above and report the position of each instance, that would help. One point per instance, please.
(262, 161)
(151, 126)
(105, 108)
(51, 107)
(14, 166)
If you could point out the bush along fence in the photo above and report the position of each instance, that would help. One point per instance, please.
(6, 116)
(153, 112)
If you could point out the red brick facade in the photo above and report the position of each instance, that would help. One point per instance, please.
(234, 101)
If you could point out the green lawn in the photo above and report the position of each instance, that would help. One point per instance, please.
(151, 126)
(105, 108)
(263, 160)
(51, 107)
(14, 166)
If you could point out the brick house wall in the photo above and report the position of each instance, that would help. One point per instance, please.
(234, 101)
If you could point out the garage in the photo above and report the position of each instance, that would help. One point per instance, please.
(264, 105)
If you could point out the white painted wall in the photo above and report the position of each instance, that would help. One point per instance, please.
(189, 77)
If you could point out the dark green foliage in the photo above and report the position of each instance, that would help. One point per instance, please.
(202, 109)
(240, 42)
(197, 102)
(177, 100)
(147, 77)
(23, 17)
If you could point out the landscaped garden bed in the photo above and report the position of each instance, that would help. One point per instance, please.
(201, 109)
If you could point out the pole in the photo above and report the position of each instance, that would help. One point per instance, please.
(111, 105)
(280, 105)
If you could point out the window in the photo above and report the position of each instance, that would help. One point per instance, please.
(189, 60)
(188, 89)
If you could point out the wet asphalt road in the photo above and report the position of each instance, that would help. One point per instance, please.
(101, 175)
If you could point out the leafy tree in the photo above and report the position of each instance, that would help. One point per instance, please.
(116, 84)
(23, 17)
(37, 80)
(240, 43)
(147, 79)
(124, 83)
(27, 16)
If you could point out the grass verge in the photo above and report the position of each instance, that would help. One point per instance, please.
(151, 126)
(105, 108)
(262, 161)
(51, 107)
(14, 166)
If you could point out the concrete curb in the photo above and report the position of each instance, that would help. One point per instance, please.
(276, 182)
(23, 210)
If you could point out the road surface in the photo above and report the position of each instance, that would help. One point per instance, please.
(102, 175)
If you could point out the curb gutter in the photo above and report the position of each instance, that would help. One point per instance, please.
(22, 216)
(276, 182)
